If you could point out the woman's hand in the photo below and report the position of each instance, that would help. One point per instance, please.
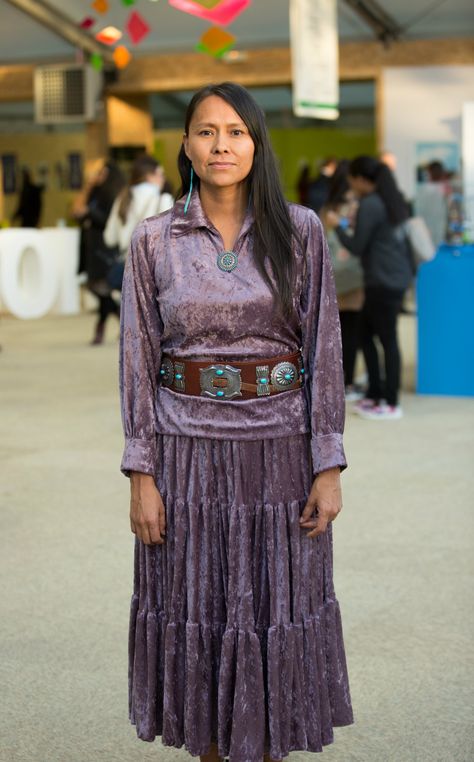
(325, 500)
(147, 511)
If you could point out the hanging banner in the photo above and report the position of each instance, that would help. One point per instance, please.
(315, 58)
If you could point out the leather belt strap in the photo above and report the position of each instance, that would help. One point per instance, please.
(228, 379)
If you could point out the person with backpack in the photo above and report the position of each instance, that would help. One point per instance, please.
(380, 242)
(143, 197)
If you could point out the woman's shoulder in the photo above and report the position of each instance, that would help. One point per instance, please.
(154, 228)
(302, 214)
(305, 221)
(372, 203)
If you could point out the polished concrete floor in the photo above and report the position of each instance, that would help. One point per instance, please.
(403, 547)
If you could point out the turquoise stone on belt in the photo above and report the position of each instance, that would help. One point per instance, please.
(227, 261)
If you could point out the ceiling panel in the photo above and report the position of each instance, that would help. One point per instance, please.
(264, 23)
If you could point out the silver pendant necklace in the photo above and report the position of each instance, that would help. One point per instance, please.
(227, 261)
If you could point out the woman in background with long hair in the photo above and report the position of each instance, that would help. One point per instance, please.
(348, 274)
(92, 208)
(378, 239)
(143, 197)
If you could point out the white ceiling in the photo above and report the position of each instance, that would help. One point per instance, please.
(264, 23)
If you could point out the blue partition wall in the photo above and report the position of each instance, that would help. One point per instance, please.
(445, 290)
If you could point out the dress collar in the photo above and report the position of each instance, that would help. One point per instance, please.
(195, 217)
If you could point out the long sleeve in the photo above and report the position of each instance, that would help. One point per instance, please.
(140, 356)
(322, 354)
(369, 217)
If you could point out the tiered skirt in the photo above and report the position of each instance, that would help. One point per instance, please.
(235, 630)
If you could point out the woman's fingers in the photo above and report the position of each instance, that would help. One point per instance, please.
(162, 520)
(317, 519)
(324, 502)
(308, 510)
(321, 525)
(147, 512)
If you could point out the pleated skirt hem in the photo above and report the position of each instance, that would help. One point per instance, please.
(235, 630)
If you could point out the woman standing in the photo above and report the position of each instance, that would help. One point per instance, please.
(348, 274)
(380, 243)
(143, 197)
(234, 449)
(92, 208)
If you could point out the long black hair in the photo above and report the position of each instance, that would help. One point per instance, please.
(385, 186)
(338, 185)
(106, 193)
(273, 229)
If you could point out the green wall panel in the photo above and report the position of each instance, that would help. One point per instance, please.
(310, 145)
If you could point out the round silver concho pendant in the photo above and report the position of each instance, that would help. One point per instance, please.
(227, 261)
(283, 375)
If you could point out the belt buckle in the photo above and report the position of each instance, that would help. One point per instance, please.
(220, 382)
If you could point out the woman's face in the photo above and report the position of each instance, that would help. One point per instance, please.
(219, 144)
(360, 185)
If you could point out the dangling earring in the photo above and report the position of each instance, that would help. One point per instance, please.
(190, 191)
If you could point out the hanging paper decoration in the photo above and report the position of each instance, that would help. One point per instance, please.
(221, 13)
(128, 2)
(122, 57)
(87, 23)
(136, 27)
(315, 58)
(101, 6)
(209, 4)
(96, 61)
(216, 42)
(109, 35)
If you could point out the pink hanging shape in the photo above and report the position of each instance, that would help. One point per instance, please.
(222, 14)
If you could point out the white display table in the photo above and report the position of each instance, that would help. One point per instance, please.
(38, 271)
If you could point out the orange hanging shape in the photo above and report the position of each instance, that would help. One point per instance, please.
(122, 57)
(216, 42)
(101, 6)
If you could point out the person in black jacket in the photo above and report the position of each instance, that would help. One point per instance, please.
(380, 243)
(30, 202)
(92, 208)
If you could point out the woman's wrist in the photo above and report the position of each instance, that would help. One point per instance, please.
(137, 477)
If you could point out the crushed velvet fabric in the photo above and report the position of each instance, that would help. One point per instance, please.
(235, 630)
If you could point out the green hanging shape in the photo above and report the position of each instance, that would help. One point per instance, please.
(128, 2)
(96, 61)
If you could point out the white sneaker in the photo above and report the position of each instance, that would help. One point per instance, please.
(381, 413)
(353, 394)
(364, 404)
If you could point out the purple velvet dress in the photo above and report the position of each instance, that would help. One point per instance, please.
(235, 630)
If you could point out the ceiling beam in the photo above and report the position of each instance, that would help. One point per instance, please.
(384, 26)
(60, 24)
(164, 73)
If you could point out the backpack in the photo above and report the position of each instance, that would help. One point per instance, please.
(420, 243)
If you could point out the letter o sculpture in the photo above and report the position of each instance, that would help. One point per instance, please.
(29, 276)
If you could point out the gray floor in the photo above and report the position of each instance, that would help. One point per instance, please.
(403, 545)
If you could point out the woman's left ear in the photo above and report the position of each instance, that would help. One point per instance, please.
(185, 144)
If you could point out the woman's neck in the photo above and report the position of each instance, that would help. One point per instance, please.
(224, 206)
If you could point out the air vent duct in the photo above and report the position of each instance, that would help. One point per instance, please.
(66, 93)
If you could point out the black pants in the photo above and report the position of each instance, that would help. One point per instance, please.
(379, 318)
(107, 306)
(350, 332)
